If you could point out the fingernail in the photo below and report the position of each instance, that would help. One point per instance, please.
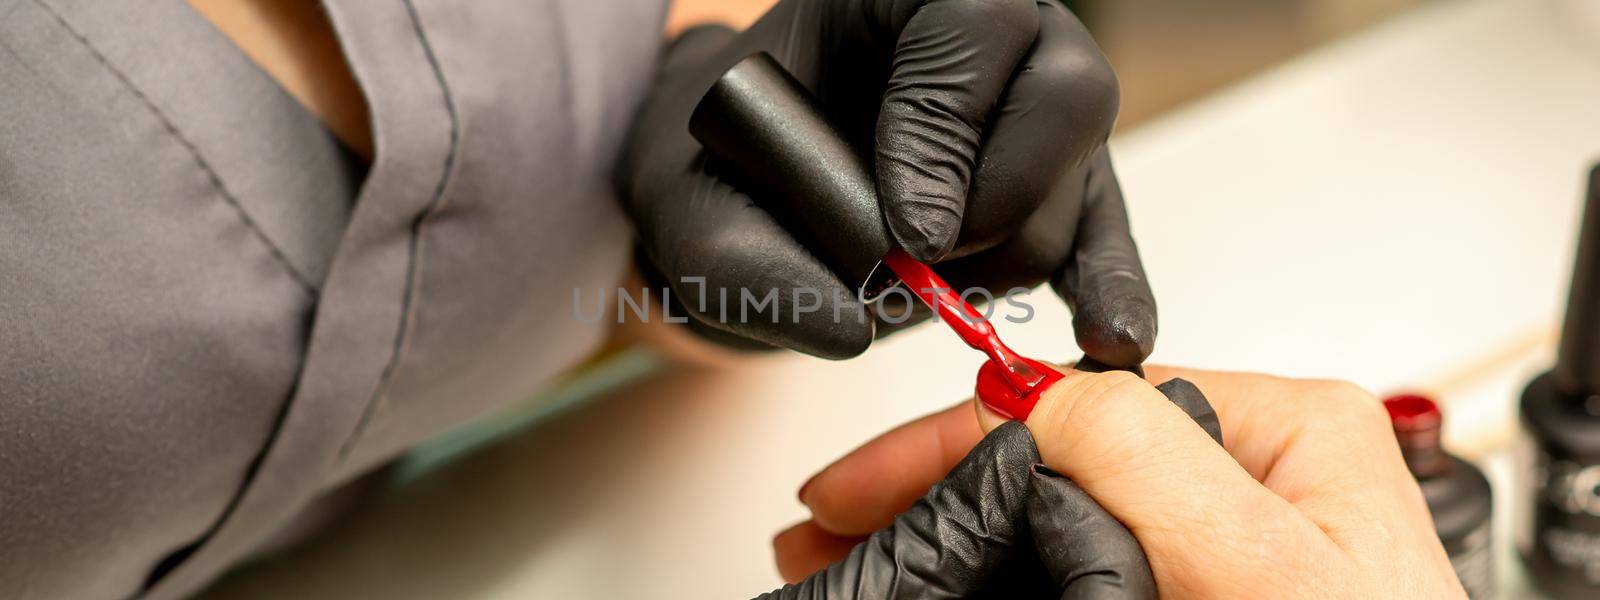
(806, 487)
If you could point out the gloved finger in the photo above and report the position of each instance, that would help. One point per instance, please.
(1021, 576)
(806, 548)
(863, 491)
(1033, 254)
(675, 311)
(1189, 398)
(1088, 364)
(950, 541)
(728, 264)
(692, 48)
(1059, 107)
(1113, 309)
(946, 77)
(1087, 552)
(997, 298)
(733, 268)
(1035, 251)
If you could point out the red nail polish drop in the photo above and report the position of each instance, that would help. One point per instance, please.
(1008, 383)
(996, 392)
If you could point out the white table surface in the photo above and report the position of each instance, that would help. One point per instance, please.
(1397, 209)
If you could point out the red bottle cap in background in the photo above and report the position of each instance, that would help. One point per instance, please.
(1417, 426)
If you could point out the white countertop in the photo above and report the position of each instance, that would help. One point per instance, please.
(1397, 209)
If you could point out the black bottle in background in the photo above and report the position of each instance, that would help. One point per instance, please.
(1558, 528)
(1457, 492)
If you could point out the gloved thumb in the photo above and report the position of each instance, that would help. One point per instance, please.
(1087, 552)
(948, 544)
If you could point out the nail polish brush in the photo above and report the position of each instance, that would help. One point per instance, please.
(1008, 383)
(760, 119)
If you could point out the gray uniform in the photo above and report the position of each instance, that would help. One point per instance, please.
(211, 316)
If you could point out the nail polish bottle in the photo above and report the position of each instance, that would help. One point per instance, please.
(1558, 523)
(1457, 493)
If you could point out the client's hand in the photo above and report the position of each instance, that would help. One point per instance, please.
(982, 532)
(999, 525)
(1309, 496)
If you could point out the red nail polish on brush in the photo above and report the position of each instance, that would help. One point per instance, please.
(760, 119)
(1008, 383)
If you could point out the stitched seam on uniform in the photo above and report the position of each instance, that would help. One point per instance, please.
(413, 274)
(251, 470)
(216, 180)
(568, 82)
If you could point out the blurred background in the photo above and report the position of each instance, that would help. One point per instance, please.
(1384, 191)
(1167, 52)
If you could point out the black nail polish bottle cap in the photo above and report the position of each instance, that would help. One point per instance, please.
(1577, 371)
(1560, 416)
(761, 120)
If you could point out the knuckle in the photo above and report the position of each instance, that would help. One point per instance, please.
(1371, 420)
(702, 252)
(1070, 419)
(1348, 404)
(1331, 390)
(1079, 69)
(1346, 390)
(1101, 389)
(1085, 399)
(1080, 81)
(1117, 381)
(1349, 395)
(1011, 14)
(836, 341)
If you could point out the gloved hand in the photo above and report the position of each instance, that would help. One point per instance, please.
(1000, 525)
(986, 121)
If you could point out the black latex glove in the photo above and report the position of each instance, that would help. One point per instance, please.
(1001, 525)
(986, 121)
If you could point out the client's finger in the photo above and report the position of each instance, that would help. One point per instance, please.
(863, 491)
(1159, 472)
(950, 542)
(1283, 431)
(1268, 420)
(806, 548)
(1088, 554)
